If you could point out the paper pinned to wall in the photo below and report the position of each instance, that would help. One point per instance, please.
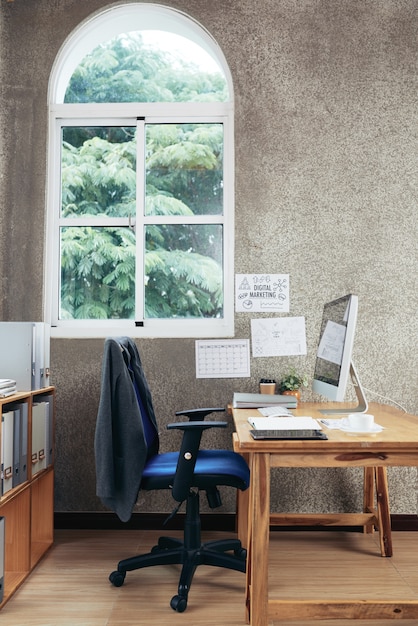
(222, 358)
(332, 343)
(261, 293)
(280, 336)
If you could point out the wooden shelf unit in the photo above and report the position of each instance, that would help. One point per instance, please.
(28, 508)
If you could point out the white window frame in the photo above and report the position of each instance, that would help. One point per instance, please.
(85, 38)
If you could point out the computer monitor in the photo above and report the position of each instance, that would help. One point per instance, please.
(334, 364)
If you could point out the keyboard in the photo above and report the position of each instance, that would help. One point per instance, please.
(288, 434)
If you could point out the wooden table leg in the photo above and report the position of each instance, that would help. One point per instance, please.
(369, 502)
(244, 534)
(257, 600)
(385, 531)
(376, 499)
(243, 509)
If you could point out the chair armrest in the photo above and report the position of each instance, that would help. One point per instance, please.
(196, 426)
(192, 434)
(200, 414)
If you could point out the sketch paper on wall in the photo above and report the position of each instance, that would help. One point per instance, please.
(332, 343)
(281, 336)
(262, 293)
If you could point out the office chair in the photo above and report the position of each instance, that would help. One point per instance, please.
(128, 460)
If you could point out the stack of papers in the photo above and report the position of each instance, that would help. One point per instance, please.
(274, 411)
(284, 423)
(344, 425)
(7, 387)
(256, 400)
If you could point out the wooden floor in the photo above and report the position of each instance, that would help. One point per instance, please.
(70, 586)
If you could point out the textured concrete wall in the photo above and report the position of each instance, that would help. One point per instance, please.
(326, 188)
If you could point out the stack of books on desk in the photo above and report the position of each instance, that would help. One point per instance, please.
(259, 400)
(7, 387)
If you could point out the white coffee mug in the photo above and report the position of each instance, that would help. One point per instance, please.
(360, 421)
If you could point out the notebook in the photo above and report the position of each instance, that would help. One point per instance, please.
(274, 411)
(284, 423)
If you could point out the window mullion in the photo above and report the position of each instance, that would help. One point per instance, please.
(183, 219)
(139, 223)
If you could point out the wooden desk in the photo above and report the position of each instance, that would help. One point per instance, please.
(396, 445)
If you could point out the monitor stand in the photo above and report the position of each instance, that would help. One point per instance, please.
(362, 402)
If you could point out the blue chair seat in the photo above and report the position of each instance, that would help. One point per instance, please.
(212, 467)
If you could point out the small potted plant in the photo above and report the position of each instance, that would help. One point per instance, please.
(290, 385)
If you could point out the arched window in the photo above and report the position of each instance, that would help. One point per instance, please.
(140, 194)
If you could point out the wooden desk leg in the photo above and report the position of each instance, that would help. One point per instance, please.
(249, 570)
(243, 501)
(385, 531)
(257, 599)
(369, 503)
(376, 499)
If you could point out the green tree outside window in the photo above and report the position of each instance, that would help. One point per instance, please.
(183, 180)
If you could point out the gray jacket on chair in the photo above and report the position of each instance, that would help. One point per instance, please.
(120, 446)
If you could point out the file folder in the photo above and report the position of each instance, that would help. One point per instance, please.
(23, 452)
(16, 446)
(41, 355)
(49, 429)
(260, 400)
(39, 438)
(7, 431)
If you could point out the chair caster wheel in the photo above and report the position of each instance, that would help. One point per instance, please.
(117, 578)
(178, 603)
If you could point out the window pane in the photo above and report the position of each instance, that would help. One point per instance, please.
(98, 171)
(184, 169)
(183, 270)
(148, 66)
(97, 273)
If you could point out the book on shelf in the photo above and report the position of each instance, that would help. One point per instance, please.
(7, 387)
(6, 383)
(8, 391)
(259, 400)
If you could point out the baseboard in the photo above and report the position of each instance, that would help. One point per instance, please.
(210, 521)
(404, 522)
(139, 521)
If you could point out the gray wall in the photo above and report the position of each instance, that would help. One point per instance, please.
(326, 188)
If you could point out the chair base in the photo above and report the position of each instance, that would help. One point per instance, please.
(190, 553)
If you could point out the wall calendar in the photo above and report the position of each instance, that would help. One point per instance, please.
(228, 358)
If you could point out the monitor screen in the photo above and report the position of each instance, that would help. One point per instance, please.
(333, 365)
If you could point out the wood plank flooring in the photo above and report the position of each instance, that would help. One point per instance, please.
(70, 586)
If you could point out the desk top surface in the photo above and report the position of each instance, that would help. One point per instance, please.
(400, 434)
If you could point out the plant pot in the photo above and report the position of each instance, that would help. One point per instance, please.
(294, 392)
